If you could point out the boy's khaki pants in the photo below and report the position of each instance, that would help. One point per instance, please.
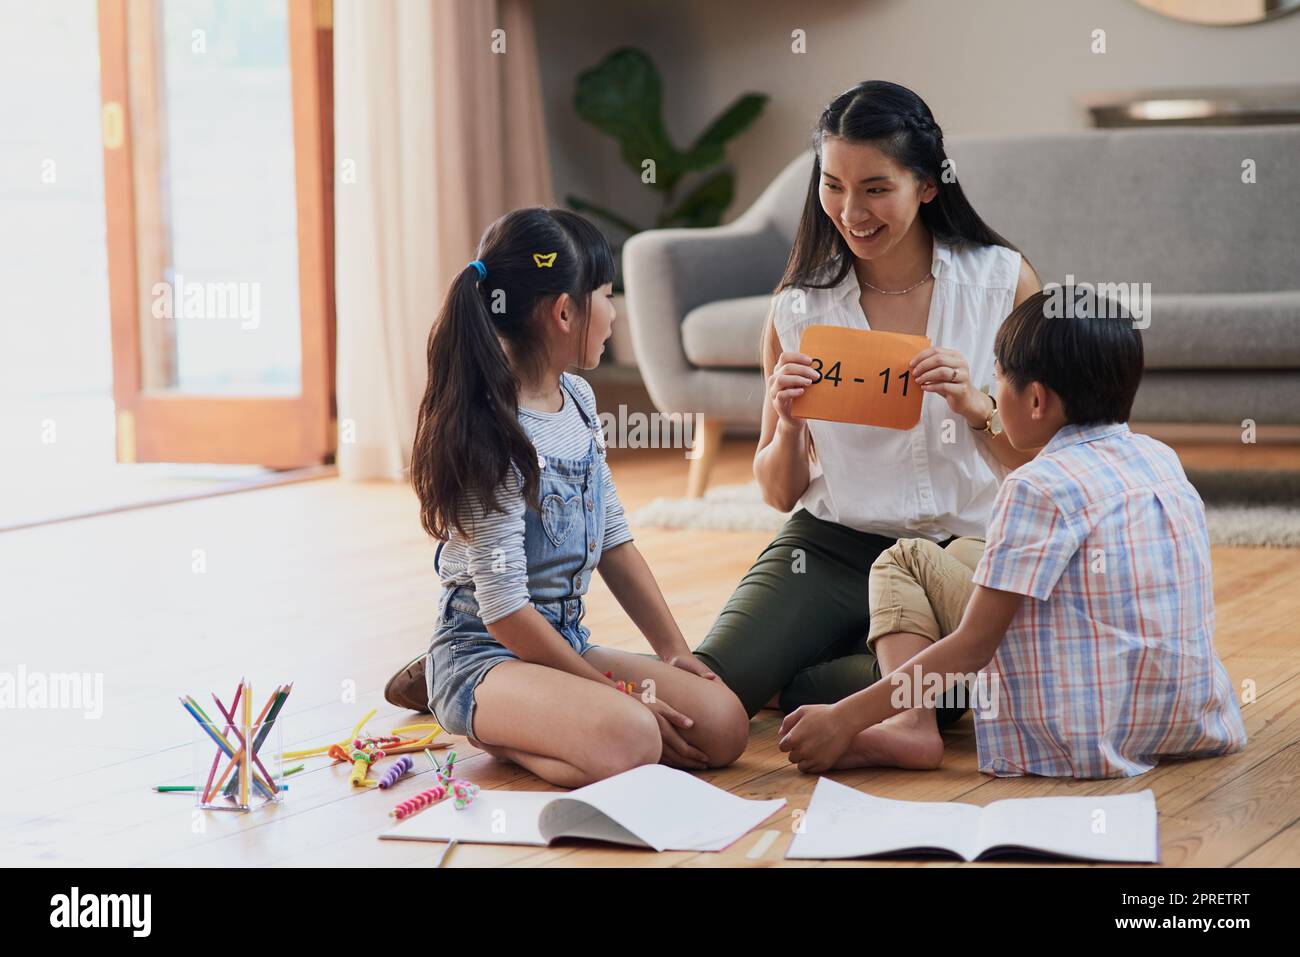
(921, 588)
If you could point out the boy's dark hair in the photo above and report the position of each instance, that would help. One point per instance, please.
(1081, 346)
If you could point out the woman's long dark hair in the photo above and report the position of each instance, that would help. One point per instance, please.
(898, 123)
(468, 435)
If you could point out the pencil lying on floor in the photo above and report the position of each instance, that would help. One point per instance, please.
(170, 788)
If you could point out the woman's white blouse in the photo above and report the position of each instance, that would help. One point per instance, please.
(938, 479)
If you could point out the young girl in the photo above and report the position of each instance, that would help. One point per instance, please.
(509, 466)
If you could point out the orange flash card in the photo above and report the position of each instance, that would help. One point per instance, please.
(865, 377)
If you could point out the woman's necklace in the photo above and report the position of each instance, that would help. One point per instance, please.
(898, 292)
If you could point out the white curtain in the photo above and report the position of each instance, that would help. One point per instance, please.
(436, 135)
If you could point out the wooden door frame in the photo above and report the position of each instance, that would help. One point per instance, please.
(275, 431)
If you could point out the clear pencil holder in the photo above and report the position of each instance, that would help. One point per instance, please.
(224, 780)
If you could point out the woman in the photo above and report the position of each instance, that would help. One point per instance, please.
(887, 241)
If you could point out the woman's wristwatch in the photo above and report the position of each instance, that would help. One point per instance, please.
(993, 424)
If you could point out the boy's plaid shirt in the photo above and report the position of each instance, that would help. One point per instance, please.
(1110, 662)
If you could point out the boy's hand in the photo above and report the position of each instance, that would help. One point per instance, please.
(815, 736)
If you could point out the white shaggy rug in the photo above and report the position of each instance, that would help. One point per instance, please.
(1241, 508)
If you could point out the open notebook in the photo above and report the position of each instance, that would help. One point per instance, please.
(650, 806)
(842, 822)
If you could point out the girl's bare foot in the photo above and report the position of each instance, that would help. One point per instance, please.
(908, 740)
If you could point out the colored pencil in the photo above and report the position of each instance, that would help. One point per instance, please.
(168, 788)
(445, 851)
(216, 758)
(230, 716)
(224, 745)
(262, 718)
(248, 732)
(234, 782)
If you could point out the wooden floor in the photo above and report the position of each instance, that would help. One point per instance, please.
(331, 585)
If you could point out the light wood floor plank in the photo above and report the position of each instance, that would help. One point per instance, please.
(331, 585)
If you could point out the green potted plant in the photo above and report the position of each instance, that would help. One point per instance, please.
(622, 97)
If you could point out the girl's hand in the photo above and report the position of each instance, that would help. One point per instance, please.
(815, 737)
(946, 373)
(792, 372)
(689, 663)
(678, 752)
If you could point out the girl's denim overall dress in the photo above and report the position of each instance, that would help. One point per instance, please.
(562, 542)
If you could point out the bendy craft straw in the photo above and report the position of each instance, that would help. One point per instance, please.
(361, 751)
(462, 792)
(391, 776)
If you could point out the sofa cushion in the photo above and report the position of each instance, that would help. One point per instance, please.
(1265, 396)
(1243, 330)
(727, 333)
(1164, 206)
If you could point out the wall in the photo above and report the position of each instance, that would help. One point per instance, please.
(989, 66)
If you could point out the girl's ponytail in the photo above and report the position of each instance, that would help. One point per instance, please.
(467, 428)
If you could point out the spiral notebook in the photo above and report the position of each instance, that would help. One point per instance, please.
(842, 822)
(651, 806)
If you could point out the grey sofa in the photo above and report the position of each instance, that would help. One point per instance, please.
(1167, 207)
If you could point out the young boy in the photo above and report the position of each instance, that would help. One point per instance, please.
(1090, 613)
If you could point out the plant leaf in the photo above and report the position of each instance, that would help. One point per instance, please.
(621, 96)
(580, 205)
(703, 205)
(708, 148)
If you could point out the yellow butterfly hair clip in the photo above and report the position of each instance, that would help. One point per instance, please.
(544, 259)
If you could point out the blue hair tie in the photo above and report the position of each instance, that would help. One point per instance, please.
(481, 268)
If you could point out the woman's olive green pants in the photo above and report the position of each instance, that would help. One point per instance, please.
(797, 622)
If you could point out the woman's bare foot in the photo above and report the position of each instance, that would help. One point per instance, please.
(775, 702)
(908, 740)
